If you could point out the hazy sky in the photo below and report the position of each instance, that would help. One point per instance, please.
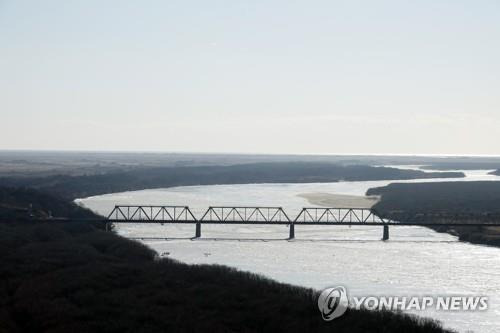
(407, 77)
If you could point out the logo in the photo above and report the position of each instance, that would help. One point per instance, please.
(333, 303)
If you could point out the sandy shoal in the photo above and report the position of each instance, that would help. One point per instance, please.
(339, 200)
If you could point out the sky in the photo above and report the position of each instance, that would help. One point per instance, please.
(302, 77)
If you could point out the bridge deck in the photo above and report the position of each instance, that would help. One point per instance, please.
(364, 224)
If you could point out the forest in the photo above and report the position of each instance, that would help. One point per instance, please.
(445, 202)
(75, 277)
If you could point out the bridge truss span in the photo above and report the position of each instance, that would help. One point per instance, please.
(149, 213)
(320, 215)
(225, 214)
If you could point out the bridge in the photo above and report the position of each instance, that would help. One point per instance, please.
(263, 216)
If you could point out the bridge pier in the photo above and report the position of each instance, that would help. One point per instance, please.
(385, 236)
(292, 231)
(198, 230)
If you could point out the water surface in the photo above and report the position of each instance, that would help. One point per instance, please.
(415, 261)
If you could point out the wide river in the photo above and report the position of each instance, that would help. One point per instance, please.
(415, 261)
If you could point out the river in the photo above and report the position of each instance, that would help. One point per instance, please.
(416, 261)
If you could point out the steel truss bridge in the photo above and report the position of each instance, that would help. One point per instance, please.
(262, 216)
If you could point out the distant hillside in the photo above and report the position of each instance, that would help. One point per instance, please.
(72, 187)
(69, 277)
(77, 163)
(464, 165)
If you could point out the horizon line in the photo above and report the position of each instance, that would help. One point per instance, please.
(242, 153)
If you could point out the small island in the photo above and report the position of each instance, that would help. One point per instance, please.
(453, 202)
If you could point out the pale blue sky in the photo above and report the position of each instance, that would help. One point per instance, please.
(401, 77)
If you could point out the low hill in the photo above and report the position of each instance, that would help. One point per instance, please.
(70, 277)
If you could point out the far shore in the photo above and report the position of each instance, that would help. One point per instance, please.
(339, 200)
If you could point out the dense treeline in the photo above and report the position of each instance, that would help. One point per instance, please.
(70, 277)
(72, 187)
(26, 203)
(460, 202)
(478, 198)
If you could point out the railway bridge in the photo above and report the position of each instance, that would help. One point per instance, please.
(263, 216)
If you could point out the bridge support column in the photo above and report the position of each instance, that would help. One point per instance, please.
(292, 231)
(198, 230)
(385, 236)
